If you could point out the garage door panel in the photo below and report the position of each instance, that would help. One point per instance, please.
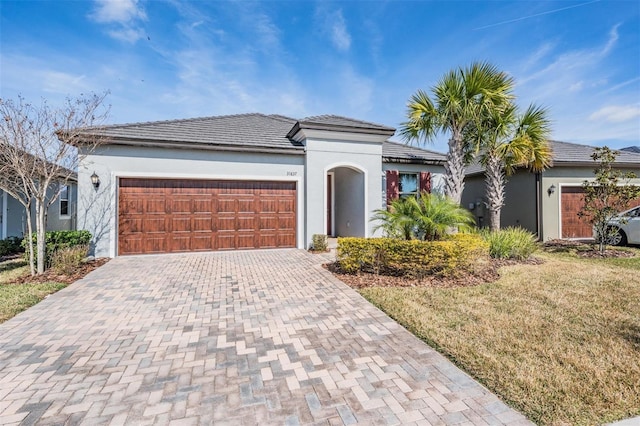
(181, 242)
(165, 215)
(154, 224)
(201, 205)
(181, 223)
(226, 241)
(134, 206)
(155, 205)
(180, 205)
(268, 222)
(286, 205)
(246, 223)
(202, 223)
(268, 206)
(286, 223)
(285, 238)
(226, 223)
(246, 205)
(131, 225)
(226, 205)
(246, 240)
(202, 242)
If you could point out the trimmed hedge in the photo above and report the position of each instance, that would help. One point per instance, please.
(56, 240)
(11, 245)
(414, 258)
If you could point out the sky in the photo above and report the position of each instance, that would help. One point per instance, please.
(163, 60)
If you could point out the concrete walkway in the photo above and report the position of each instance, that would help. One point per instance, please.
(259, 337)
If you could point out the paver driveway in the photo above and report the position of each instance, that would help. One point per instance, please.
(260, 337)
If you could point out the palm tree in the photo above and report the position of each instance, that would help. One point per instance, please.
(398, 220)
(507, 140)
(459, 99)
(426, 217)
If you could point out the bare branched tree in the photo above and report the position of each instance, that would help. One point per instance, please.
(38, 155)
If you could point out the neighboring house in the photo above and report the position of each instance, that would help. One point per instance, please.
(243, 181)
(60, 216)
(545, 203)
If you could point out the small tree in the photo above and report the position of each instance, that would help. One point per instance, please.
(38, 155)
(607, 195)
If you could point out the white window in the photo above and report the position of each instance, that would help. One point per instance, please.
(64, 200)
(408, 184)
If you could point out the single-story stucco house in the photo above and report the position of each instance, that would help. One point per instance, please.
(242, 181)
(545, 203)
(61, 215)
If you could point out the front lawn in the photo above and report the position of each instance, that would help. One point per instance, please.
(20, 291)
(15, 297)
(559, 341)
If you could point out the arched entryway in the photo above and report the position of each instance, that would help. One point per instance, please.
(345, 201)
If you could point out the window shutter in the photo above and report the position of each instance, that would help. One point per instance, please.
(425, 182)
(393, 189)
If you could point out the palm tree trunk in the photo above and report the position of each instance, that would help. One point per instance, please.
(494, 173)
(454, 168)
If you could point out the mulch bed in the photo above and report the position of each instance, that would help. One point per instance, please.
(51, 276)
(585, 249)
(483, 273)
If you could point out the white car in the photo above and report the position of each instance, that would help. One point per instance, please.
(628, 229)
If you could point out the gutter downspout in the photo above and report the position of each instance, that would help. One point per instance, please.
(539, 205)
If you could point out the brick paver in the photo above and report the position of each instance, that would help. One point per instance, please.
(257, 337)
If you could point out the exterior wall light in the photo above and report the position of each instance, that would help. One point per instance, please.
(95, 181)
(551, 190)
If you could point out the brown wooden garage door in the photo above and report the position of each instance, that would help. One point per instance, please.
(571, 203)
(173, 215)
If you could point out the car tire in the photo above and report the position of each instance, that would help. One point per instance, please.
(618, 239)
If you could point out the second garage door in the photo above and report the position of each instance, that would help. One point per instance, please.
(175, 215)
(572, 202)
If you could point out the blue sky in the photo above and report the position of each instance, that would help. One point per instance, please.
(362, 59)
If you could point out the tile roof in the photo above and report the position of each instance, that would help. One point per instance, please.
(394, 152)
(336, 120)
(573, 154)
(256, 132)
(247, 131)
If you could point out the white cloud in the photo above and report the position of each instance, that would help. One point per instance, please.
(120, 11)
(332, 24)
(339, 34)
(129, 35)
(123, 17)
(576, 87)
(616, 113)
(539, 54)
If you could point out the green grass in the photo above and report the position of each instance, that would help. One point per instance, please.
(558, 341)
(15, 298)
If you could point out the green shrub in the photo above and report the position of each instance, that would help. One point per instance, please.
(426, 217)
(56, 240)
(66, 260)
(11, 245)
(511, 243)
(319, 242)
(389, 256)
